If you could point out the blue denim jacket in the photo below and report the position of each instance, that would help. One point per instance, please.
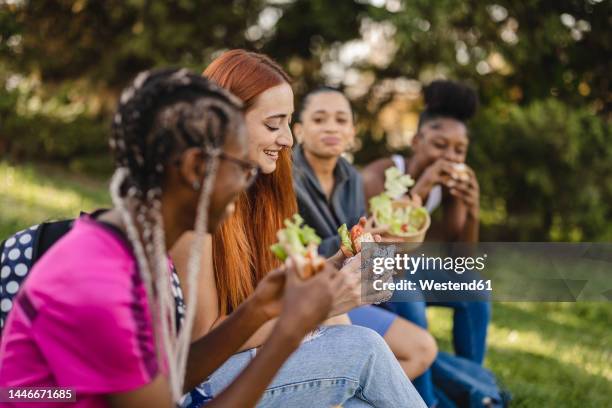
(346, 204)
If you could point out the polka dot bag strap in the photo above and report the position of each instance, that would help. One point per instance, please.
(19, 253)
(16, 260)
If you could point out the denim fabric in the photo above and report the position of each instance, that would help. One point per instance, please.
(340, 365)
(470, 322)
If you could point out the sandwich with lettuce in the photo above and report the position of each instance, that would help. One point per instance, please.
(300, 242)
(350, 241)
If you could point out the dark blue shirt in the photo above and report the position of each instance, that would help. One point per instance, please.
(346, 204)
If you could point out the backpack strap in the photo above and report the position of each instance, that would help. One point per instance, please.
(18, 253)
(49, 233)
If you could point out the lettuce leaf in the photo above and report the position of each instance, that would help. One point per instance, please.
(381, 208)
(403, 220)
(407, 220)
(345, 238)
(309, 236)
(294, 238)
(279, 252)
(396, 183)
(418, 217)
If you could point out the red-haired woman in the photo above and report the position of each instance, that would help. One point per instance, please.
(345, 365)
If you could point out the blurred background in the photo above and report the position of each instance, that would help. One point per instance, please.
(541, 143)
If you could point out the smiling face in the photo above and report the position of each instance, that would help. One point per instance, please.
(267, 122)
(326, 127)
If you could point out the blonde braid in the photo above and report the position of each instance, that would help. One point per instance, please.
(162, 113)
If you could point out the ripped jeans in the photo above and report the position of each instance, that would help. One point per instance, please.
(349, 366)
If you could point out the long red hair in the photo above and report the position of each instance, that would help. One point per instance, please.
(241, 245)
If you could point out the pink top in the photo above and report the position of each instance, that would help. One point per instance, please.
(81, 320)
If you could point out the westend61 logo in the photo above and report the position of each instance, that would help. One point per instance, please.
(412, 264)
(517, 271)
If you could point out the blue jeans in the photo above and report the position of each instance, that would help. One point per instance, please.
(339, 365)
(470, 322)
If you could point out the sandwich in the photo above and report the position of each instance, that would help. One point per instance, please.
(351, 240)
(460, 172)
(301, 243)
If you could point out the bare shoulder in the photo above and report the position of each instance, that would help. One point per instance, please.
(373, 176)
(375, 170)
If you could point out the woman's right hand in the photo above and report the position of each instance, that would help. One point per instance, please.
(437, 173)
(348, 295)
(307, 303)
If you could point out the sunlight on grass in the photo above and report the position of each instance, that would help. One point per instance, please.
(546, 354)
(30, 195)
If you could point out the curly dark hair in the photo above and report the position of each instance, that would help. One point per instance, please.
(448, 99)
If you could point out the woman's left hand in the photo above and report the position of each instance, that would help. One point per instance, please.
(337, 259)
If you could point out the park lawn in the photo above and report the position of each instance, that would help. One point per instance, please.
(32, 194)
(545, 354)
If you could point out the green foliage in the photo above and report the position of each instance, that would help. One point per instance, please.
(111, 41)
(80, 143)
(548, 167)
(540, 144)
(547, 48)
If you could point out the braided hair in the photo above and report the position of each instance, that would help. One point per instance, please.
(162, 113)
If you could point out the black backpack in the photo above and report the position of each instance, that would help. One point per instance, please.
(21, 251)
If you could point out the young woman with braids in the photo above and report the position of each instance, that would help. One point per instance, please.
(338, 365)
(96, 313)
(441, 143)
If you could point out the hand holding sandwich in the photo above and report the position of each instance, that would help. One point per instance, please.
(466, 189)
(307, 302)
(437, 173)
(458, 178)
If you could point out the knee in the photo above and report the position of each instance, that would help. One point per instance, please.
(429, 348)
(368, 338)
(425, 351)
(356, 337)
(415, 347)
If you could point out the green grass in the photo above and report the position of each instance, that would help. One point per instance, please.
(30, 195)
(545, 354)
